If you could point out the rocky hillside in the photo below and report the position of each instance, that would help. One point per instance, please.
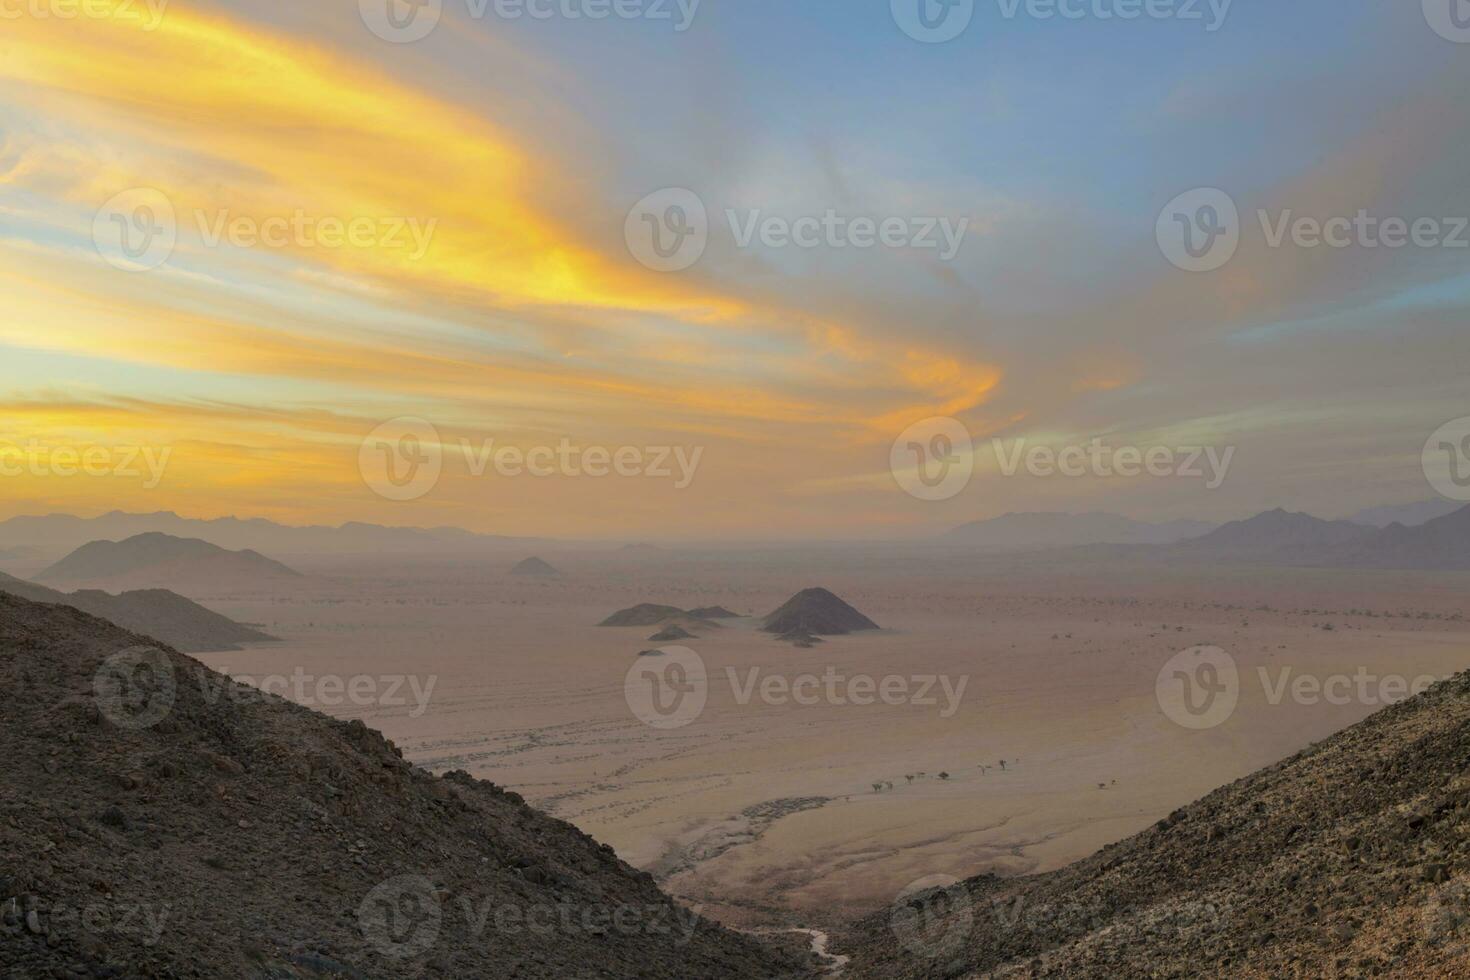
(1350, 859)
(158, 820)
(181, 623)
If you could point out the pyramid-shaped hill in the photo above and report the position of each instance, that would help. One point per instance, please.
(263, 839)
(535, 568)
(818, 612)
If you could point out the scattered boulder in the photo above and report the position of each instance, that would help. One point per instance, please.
(671, 633)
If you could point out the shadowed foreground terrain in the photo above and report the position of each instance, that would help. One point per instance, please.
(166, 822)
(1349, 859)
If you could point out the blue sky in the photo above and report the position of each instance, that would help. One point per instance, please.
(530, 142)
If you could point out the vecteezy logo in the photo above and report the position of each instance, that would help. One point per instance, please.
(401, 917)
(1447, 460)
(933, 916)
(401, 21)
(1449, 18)
(401, 459)
(667, 689)
(136, 230)
(1199, 230)
(668, 230)
(933, 21)
(135, 688)
(933, 459)
(1446, 915)
(1198, 688)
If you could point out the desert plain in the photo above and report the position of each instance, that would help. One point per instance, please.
(768, 810)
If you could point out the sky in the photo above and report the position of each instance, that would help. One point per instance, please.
(396, 262)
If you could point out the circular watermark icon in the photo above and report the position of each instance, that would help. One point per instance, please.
(667, 688)
(1198, 688)
(668, 230)
(401, 21)
(135, 688)
(1199, 231)
(933, 459)
(402, 459)
(401, 917)
(1446, 460)
(136, 230)
(1446, 915)
(933, 916)
(1449, 18)
(933, 21)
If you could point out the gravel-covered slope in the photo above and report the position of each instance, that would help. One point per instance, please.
(1350, 859)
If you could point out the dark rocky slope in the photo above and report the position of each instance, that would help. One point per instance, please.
(193, 828)
(1350, 859)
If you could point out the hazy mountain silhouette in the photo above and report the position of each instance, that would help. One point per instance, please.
(281, 843)
(1027, 532)
(57, 534)
(161, 560)
(1442, 543)
(818, 612)
(181, 623)
(1409, 515)
(1278, 536)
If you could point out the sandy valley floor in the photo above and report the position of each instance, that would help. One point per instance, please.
(772, 807)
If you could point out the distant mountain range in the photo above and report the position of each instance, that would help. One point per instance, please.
(156, 560)
(1409, 515)
(1031, 532)
(56, 534)
(1279, 537)
(1438, 538)
(166, 616)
